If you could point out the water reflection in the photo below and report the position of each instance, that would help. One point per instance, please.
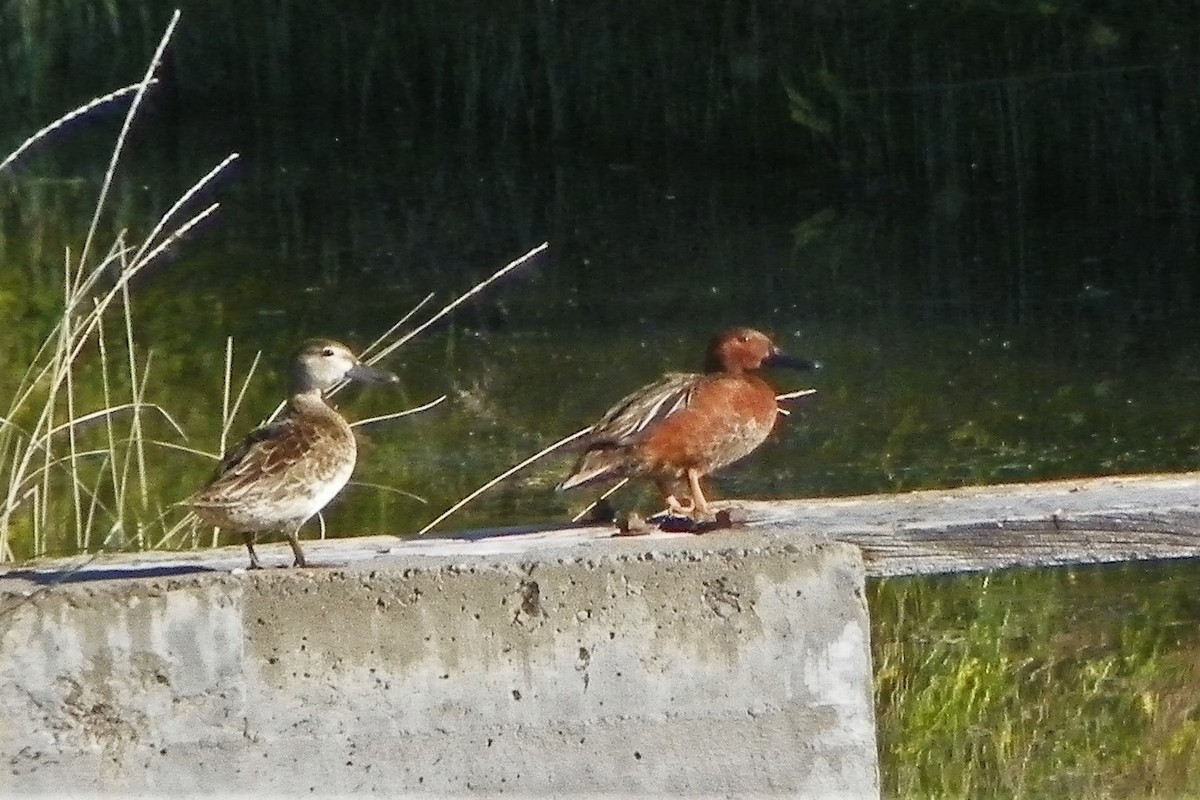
(963, 344)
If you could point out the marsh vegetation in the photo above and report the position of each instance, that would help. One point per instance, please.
(982, 218)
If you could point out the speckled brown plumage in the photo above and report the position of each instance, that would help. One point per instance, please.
(283, 473)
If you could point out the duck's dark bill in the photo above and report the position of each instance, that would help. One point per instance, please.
(781, 359)
(361, 372)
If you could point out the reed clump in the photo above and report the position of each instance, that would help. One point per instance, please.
(71, 457)
(82, 438)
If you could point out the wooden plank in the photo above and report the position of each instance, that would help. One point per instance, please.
(1087, 520)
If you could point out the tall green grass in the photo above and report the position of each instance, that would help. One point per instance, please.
(1039, 684)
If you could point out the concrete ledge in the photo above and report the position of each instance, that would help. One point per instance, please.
(734, 663)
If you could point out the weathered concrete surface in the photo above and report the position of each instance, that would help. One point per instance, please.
(560, 662)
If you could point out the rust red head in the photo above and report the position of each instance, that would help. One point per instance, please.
(740, 350)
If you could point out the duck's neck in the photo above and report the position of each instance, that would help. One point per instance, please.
(309, 400)
(713, 366)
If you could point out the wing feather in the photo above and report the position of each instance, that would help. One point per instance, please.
(267, 450)
(628, 420)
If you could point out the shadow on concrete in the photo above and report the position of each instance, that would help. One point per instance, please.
(484, 534)
(83, 574)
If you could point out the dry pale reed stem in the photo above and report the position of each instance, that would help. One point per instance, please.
(109, 432)
(183, 448)
(226, 387)
(174, 237)
(793, 396)
(66, 119)
(73, 446)
(230, 412)
(135, 448)
(189, 522)
(207, 178)
(398, 414)
(391, 489)
(474, 290)
(503, 476)
(366, 353)
(391, 348)
(119, 147)
(103, 412)
(140, 434)
(226, 420)
(93, 507)
(610, 492)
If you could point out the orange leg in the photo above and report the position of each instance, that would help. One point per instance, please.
(674, 506)
(699, 504)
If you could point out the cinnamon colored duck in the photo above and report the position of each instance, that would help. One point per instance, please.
(686, 425)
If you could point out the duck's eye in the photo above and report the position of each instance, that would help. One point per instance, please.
(743, 338)
(328, 352)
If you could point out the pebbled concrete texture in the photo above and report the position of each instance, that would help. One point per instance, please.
(733, 663)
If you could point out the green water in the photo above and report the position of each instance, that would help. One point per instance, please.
(963, 344)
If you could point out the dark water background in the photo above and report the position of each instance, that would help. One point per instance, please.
(957, 350)
(964, 349)
(1001, 281)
